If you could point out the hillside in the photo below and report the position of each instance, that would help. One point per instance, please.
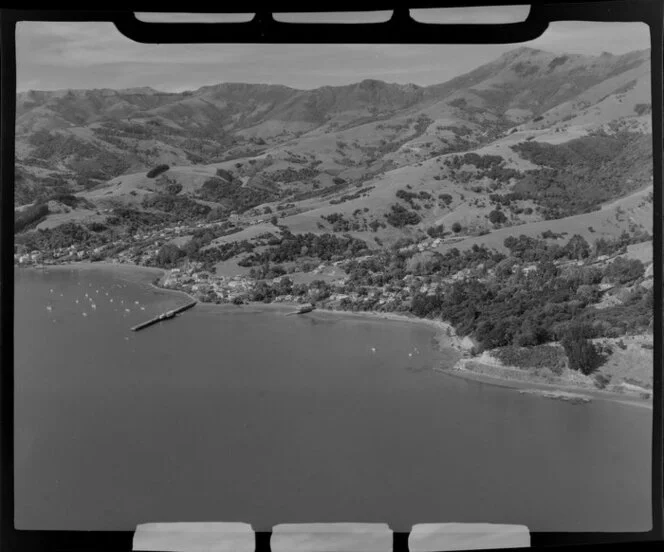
(514, 202)
(530, 142)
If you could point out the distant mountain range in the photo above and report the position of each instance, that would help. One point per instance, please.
(309, 154)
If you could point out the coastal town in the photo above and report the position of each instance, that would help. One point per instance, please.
(507, 312)
(526, 233)
(244, 272)
(142, 249)
(332, 284)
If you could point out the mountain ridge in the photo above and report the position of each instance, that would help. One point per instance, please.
(509, 55)
(311, 149)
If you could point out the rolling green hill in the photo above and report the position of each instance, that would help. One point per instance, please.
(528, 140)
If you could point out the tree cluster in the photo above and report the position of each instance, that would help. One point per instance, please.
(578, 176)
(233, 195)
(156, 171)
(61, 236)
(29, 216)
(399, 217)
(169, 256)
(294, 246)
(179, 207)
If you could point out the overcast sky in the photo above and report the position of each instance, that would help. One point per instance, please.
(95, 55)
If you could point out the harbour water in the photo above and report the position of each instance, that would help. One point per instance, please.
(229, 413)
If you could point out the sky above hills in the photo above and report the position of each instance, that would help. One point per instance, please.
(60, 55)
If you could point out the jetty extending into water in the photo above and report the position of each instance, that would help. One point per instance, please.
(165, 316)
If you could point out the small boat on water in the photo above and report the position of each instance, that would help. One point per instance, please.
(302, 310)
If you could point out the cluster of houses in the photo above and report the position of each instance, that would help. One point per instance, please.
(205, 286)
(209, 287)
(140, 248)
(63, 254)
(33, 257)
(429, 244)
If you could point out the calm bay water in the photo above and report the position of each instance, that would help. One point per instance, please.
(232, 414)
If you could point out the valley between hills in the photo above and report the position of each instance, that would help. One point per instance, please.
(514, 203)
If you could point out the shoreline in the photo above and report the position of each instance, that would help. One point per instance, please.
(445, 334)
(445, 338)
(135, 274)
(129, 269)
(541, 389)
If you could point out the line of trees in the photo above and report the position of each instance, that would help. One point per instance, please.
(291, 247)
